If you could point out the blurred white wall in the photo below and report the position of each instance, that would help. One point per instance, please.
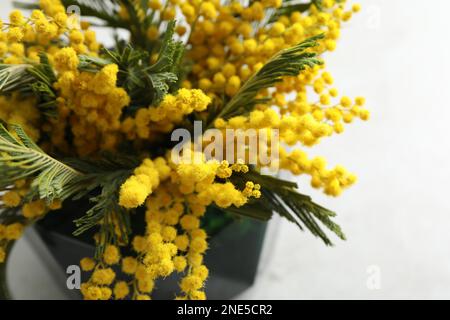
(396, 53)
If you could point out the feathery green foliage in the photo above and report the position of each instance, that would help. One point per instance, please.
(278, 195)
(300, 209)
(145, 83)
(281, 196)
(14, 77)
(167, 70)
(106, 211)
(21, 158)
(31, 80)
(42, 85)
(288, 62)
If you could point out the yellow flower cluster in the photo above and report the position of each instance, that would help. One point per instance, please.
(196, 177)
(145, 180)
(192, 177)
(332, 181)
(90, 103)
(177, 196)
(164, 250)
(159, 253)
(30, 210)
(14, 198)
(166, 115)
(98, 287)
(24, 38)
(229, 45)
(306, 124)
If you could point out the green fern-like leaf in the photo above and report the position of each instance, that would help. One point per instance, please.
(288, 62)
(31, 80)
(21, 158)
(170, 52)
(106, 212)
(74, 179)
(146, 83)
(165, 72)
(14, 77)
(281, 197)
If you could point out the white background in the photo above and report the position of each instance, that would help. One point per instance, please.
(397, 218)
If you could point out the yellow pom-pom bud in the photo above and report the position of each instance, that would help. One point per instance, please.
(356, 7)
(191, 283)
(346, 102)
(15, 34)
(208, 10)
(360, 101)
(103, 276)
(197, 295)
(182, 242)
(121, 290)
(195, 259)
(129, 265)
(87, 264)
(134, 191)
(179, 263)
(55, 205)
(325, 99)
(198, 233)
(189, 222)
(364, 115)
(146, 285)
(169, 233)
(66, 59)
(11, 199)
(154, 4)
(166, 267)
(333, 188)
(106, 293)
(139, 243)
(201, 271)
(205, 84)
(76, 37)
(14, 231)
(16, 18)
(233, 85)
(198, 245)
(220, 123)
(333, 92)
(93, 293)
(111, 255)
